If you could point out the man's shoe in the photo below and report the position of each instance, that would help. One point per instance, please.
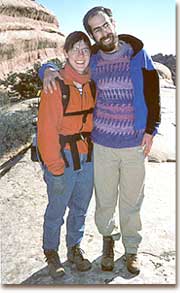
(75, 255)
(132, 263)
(54, 265)
(107, 261)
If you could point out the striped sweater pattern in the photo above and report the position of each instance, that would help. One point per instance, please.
(114, 113)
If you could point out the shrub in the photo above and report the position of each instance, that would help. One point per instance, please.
(25, 85)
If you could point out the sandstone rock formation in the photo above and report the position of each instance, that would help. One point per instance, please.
(164, 75)
(28, 33)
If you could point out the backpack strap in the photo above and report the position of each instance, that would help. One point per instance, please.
(65, 93)
(72, 140)
(65, 90)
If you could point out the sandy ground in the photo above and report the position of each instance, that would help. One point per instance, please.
(23, 202)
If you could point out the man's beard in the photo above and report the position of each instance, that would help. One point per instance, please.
(110, 46)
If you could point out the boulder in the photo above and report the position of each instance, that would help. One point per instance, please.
(165, 75)
(164, 143)
(28, 33)
(161, 150)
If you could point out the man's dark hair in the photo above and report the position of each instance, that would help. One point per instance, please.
(92, 12)
(75, 37)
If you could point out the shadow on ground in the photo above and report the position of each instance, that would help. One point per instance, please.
(72, 276)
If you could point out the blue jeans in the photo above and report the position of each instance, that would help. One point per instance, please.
(73, 190)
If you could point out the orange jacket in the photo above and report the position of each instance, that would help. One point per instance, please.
(51, 123)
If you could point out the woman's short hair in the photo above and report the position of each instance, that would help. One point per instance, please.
(75, 37)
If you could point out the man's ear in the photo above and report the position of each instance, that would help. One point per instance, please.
(91, 36)
(113, 22)
(65, 54)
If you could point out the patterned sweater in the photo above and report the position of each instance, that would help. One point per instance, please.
(114, 111)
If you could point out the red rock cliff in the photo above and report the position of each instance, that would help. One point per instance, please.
(28, 33)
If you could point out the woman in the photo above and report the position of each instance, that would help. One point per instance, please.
(64, 127)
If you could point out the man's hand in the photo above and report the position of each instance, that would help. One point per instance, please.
(147, 143)
(49, 83)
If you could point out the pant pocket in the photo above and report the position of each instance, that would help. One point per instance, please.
(58, 185)
(140, 151)
(55, 184)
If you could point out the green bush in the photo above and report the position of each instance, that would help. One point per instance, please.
(25, 85)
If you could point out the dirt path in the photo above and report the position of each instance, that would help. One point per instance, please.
(23, 201)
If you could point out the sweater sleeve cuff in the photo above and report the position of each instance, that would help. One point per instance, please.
(153, 132)
(44, 67)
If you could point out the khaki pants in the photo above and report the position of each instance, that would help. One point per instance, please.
(119, 175)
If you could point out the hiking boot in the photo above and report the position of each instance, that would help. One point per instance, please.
(54, 265)
(75, 255)
(132, 263)
(107, 262)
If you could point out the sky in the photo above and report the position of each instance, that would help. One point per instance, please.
(153, 21)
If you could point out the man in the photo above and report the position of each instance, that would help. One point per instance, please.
(126, 117)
